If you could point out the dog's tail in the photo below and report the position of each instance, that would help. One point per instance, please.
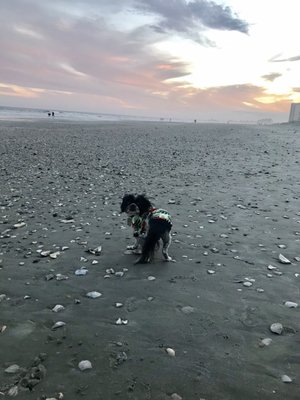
(157, 228)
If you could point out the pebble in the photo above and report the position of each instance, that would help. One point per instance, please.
(12, 369)
(57, 325)
(187, 310)
(81, 271)
(151, 278)
(58, 308)
(93, 295)
(211, 271)
(170, 351)
(121, 321)
(283, 259)
(291, 304)
(84, 365)
(247, 284)
(265, 342)
(276, 328)
(286, 379)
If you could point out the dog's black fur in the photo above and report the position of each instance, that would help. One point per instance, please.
(156, 228)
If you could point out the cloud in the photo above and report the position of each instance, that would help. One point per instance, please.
(192, 18)
(271, 77)
(276, 59)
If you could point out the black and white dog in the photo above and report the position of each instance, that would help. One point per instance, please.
(150, 224)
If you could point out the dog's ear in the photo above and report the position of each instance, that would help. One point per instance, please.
(143, 203)
(127, 199)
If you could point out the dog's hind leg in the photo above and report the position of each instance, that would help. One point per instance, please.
(166, 238)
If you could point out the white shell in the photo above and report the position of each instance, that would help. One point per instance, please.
(58, 324)
(45, 253)
(81, 271)
(54, 255)
(276, 328)
(283, 259)
(265, 342)
(93, 295)
(286, 379)
(170, 351)
(58, 308)
(151, 278)
(270, 267)
(12, 369)
(211, 271)
(19, 225)
(118, 305)
(247, 284)
(291, 304)
(85, 364)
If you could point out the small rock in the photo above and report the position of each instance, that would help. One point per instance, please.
(84, 365)
(265, 342)
(291, 304)
(283, 259)
(58, 308)
(12, 369)
(277, 328)
(57, 325)
(170, 351)
(286, 379)
(247, 284)
(93, 295)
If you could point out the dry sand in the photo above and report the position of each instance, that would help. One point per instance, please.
(236, 192)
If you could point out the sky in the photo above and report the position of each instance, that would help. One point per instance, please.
(183, 59)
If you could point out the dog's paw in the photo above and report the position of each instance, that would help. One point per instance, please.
(131, 247)
(170, 259)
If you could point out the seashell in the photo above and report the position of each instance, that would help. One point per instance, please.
(282, 246)
(187, 310)
(95, 262)
(81, 271)
(170, 351)
(58, 308)
(151, 278)
(67, 221)
(260, 290)
(93, 295)
(277, 328)
(271, 268)
(291, 304)
(12, 369)
(119, 273)
(84, 365)
(19, 225)
(286, 379)
(58, 324)
(2, 328)
(61, 277)
(54, 255)
(96, 251)
(283, 259)
(64, 248)
(118, 305)
(265, 342)
(119, 321)
(171, 201)
(45, 253)
(175, 396)
(13, 391)
(297, 259)
(247, 284)
(211, 271)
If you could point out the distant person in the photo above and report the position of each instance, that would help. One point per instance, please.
(49, 114)
(52, 113)
(195, 121)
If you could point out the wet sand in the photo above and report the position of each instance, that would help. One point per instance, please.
(233, 192)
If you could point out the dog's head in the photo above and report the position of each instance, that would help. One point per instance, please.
(134, 205)
(127, 200)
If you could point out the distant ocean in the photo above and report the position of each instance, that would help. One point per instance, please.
(16, 113)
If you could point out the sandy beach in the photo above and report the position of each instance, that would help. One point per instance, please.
(233, 193)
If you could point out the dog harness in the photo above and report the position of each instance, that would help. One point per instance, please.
(154, 213)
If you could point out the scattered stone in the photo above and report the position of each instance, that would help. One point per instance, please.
(170, 352)
(96, 251)
(58, 308)
(247, 284)
(93, 295)
(120, 321)
(81, 272)
(151, 278)
(84, 365)
(58, 324)
(291, 304)
(283, 259)
(277, 328)
(265, 342)
(286, 379)
(12, 369)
